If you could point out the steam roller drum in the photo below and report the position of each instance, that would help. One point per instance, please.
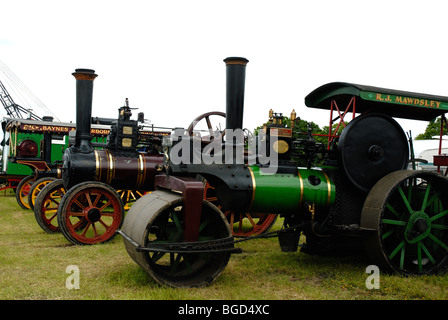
(158, 218)
(371, 146)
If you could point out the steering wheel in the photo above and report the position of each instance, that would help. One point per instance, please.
(206, 118)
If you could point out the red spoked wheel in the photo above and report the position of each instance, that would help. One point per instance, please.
(242, 224)
(46, 206)
(22, 191)
(90, 213)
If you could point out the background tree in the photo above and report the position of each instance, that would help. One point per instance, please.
(432, 129)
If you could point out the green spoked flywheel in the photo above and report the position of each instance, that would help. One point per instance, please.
(407, 213)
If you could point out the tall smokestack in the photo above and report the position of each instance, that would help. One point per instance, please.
(235, 81)
(84, 96)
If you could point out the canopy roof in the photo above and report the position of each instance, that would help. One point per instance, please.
(400, 104)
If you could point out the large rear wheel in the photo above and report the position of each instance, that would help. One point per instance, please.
(407, 213)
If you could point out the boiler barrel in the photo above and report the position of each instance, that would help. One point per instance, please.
(288, 193)
(117, 171)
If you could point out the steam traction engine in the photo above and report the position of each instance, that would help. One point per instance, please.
(91, 210)
(362, 191)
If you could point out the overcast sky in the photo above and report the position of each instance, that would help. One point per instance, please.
(167, 56)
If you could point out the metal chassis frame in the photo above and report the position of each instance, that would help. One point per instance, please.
(335, 108)
(441, 159)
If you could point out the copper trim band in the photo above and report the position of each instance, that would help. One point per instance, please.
(141, 171)
(254, 186)
(236, 60)
(328, 187)
(97, 166)
(84, 76)
(111, 170)
(301, 188)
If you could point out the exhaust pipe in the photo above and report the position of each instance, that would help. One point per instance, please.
(235, 82)
(84, 97)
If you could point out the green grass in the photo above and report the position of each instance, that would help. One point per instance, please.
(33, 266)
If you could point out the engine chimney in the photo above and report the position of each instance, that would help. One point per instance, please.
(235, 81)
(84, 95)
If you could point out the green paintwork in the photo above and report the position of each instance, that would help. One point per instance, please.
(286, 193)
(57, 151)
(404, 100)
(362, 98)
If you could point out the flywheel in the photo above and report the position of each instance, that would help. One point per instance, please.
(371, 146)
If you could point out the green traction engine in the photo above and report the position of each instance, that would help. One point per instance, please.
(354, 195)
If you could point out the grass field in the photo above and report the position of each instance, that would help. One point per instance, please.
(33, 266)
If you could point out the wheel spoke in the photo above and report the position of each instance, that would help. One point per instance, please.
(387, 234)
(394, 222)
(405, 200)
(103, 224)
(105, 206)
(87, 195)
(79, 204)
(392, 209)
(49, 211)
(436, 240)
(95, 203)
(108, 214)
(438, 216)
(95, 232)
(428, 254)
(157, 256)
(402, 256)
(240, 223)
(433, 198)
(55, 200)
(249, 217)
(425, 199)
(175, 262)
(75, 214)
(439, 226)
(203, 224)
(53, 216)
(86, 228)
(397, 249)
(176, 221)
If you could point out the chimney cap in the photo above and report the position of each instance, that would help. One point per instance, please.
(236, 60)
(84, 74)
(83, 70)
